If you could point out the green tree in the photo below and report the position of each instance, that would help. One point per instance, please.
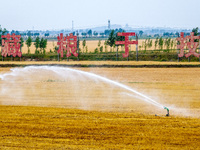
(160, 43)
(21, 42)
(140, 33)
(2, 32)
(99, 44)
(195, 30)
(145, 44)
(86, 49)
(101, 49)
(105, 46)
(89, 32)
(43, 45)
(37, 44)
(96, 50)
(167, 43)
(172, 43)
(156, 42)
(53, 43)
(175, 43)
(149, 43)
(95, 33)
(111, 39)
(84, 44)
(140, 47)
(28, 43)
(55, 49)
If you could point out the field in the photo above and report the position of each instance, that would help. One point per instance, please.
(51, 108)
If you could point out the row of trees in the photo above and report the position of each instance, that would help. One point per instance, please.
(42, 44)
(105, 33)
(91, 33)
(29, 33)
(160, 43)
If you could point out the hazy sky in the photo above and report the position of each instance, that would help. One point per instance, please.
(58, 14)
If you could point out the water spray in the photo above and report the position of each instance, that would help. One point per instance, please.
(62, 71)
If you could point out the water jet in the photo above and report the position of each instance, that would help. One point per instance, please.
(65, 73)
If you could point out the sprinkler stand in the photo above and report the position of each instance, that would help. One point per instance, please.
(167, 111)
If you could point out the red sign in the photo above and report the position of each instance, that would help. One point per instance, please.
(11, 45)
(72, 43)
(61, 42)
(67, 43)
(126, 42)
(189, 41)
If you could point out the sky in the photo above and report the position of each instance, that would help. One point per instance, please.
(59, 14)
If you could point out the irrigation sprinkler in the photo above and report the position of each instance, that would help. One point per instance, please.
(166, 114)
(167, 111)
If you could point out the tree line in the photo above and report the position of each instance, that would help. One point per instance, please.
(39, 43)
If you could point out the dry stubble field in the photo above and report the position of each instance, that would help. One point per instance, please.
(48, 112)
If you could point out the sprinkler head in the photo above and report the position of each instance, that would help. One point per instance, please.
(167, 111)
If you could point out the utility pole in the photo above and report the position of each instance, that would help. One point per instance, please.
(21, 51)
(78, 44)
(108, 24)
(58, 55)
(117, 53)
(136, 48)
(72, 26)
(178, 50)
